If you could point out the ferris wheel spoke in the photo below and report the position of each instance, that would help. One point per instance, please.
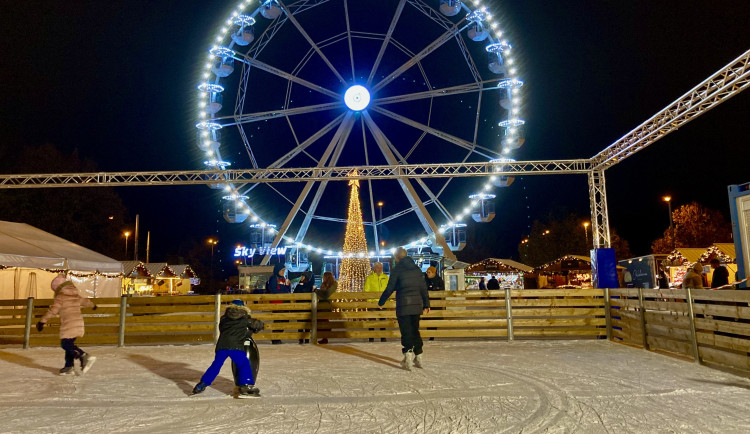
(446, 91)
(312, 43)
(347, 129)
(411, 194)
(386, 40)
(300, 148)
(246, 118)
(488, 153)
(276, 71)
(344, 128)
(349, 37)
(434, 45)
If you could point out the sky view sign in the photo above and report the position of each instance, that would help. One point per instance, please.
(242, 251)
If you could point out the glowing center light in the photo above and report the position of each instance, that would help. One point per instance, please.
(357, 98)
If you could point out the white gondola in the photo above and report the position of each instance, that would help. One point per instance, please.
(235, 210)
(261, 235)
(514, 133)
(450, 8)
(296, 260)
(455, 237)
(209, 142)
(496, 51)
(477, 32)
(223, 67)
(485, 210)
(509, 88)
(244, 34)
(270, 9)
(214, 100)
(501, 180)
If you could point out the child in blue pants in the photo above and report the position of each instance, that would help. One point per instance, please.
(235, 327)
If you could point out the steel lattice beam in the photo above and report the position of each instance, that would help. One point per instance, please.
(599, 215)
(251, 176)
(721, 86)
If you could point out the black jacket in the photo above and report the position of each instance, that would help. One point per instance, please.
(493, 284)
(720, 277)
(306, 286)
(235, 327)
(434, 284)
(408, 282)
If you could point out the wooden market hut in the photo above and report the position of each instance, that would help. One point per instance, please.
(681, 258)
(137, 279)
(185, 279)
(569, 271)
(508, 272)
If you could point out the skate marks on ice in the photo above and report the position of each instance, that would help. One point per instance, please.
(479, 386)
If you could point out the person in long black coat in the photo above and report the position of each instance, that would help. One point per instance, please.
(407, 281)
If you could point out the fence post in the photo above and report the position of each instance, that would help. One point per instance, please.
(693, 334)
(29, 316)
(217, 316)
(123, 314)
(643, 318)
(314, 318)
(508, 314)
(608, 314)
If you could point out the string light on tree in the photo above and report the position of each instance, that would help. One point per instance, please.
(355, 266)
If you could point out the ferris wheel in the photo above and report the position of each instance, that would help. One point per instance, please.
(327, 83)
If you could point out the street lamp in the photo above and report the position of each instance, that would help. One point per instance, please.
(668, 200)
(212, 242)
(545, 232)
(380, 208)
(586, 230)
(127, 234)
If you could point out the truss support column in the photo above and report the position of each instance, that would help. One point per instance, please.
(599, 216)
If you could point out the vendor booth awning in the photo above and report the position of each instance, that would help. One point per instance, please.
(22, 245)
(495, 265)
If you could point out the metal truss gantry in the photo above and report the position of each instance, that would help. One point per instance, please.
(719, 87)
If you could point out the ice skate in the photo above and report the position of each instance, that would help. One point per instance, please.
(200, 387)
(248, 391)
(418, 361)
(408, 358)
(67, 370)
(87, 362)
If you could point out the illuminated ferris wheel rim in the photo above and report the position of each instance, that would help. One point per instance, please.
(356, 98)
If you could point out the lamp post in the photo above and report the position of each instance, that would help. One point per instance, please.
(380, 209)
(212, 242)
(586, 231)
(668, 200)
(127, 234)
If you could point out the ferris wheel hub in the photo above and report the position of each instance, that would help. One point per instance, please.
(357, 98)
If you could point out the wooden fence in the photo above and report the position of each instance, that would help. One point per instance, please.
(564, 314)
(711, 327)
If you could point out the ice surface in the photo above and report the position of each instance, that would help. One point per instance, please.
(466, 387)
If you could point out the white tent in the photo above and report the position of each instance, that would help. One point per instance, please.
(30, 258)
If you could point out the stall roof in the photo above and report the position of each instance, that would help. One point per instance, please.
(726, 249)
(503, 265)
(159, 269)
(689, 254)
(183, 270)
(23, 245)
(556, 265)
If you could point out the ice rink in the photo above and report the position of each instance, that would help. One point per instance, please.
(466, 387)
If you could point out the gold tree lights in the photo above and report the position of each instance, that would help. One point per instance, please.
(355, 266)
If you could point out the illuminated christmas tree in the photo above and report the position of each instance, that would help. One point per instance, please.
(355, 266)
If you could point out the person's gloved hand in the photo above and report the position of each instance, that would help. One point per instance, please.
(94, 308)
(39, 326)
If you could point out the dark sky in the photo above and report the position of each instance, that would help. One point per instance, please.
(116, 80)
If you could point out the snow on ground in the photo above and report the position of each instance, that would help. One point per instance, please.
(466, 387)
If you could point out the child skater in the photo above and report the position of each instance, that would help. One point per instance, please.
(234, 328)
(68, 305)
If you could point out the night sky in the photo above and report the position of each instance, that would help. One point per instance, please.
(116, 80)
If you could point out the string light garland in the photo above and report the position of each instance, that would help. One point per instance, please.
(355, 266)
(218, 64)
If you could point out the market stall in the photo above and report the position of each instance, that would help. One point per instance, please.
(30, 258)
(681, 258)
(509, 273)
(569, 271)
